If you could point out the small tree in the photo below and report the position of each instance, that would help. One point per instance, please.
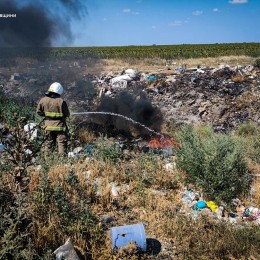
(215, 163)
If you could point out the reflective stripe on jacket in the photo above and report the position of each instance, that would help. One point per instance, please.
(53, 114)
(55, 111)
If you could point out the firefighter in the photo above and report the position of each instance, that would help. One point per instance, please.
(55, 111)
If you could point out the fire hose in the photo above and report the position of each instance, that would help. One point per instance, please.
(119, 115)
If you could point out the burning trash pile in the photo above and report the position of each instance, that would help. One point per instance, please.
(224, 96)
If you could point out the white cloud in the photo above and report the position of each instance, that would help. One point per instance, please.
(126, 10)
(197, 12)
(215, 10)
(175, 23)
(238, 1)
(129, 11)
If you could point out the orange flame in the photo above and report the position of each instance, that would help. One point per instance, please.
(162, 142)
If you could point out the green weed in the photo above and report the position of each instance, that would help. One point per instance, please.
(216, 164)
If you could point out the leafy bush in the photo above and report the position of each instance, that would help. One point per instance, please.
(255, 153)
(107, 151)
(246, 129)
(15, 228)
(215, 164)
(13, 109)
(250, 135)
(257, 63)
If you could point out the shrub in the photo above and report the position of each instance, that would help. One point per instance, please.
(107, 151)
(250, 135)
(215, 164)
(246, 129)
(257, 63)
(13, 109)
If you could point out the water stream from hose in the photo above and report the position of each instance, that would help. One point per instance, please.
(119, 115)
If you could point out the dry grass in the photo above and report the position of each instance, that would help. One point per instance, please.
(148, 194)
(153, 65)
(255, 190)
(150, 204)
(85, 136)
(68, 198)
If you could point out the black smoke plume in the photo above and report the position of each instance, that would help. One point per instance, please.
(38, 23)
(138, 108)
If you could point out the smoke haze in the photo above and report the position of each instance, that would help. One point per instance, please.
(37, 23)
(138, 108)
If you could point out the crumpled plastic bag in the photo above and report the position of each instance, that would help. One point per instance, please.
(31, 130)
(212, 205)
(66, 251)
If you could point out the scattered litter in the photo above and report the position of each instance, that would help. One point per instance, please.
(66, 251)
(200, 71)
(194, 80)
(180, 69)
(2, 147)
(190, 196)
(114, 194)
(76, 153)
(169, 166)
(192, 200)
(151, 77)
(121, 80)
(77, 150)
(28, 151)
(88, 150)
(212, 205)
(201, 205)
(15, 76)
(31, 130)
(132, 73)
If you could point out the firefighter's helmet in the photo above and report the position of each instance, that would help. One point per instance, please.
(56, 88)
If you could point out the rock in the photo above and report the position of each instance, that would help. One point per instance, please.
(32, 81)
(106, 219)
(66, 251)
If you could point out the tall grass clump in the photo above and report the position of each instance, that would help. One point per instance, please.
(251, 135)
(213, 240)
(215, 163)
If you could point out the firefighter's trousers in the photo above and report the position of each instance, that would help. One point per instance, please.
(59, 138)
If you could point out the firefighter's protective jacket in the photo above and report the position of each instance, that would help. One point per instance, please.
(55, 110)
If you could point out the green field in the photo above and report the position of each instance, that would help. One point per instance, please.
(137, 52)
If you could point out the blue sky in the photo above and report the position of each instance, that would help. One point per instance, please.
(147, 22)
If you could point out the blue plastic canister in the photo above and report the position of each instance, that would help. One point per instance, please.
(123, 235)
(201, 204)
